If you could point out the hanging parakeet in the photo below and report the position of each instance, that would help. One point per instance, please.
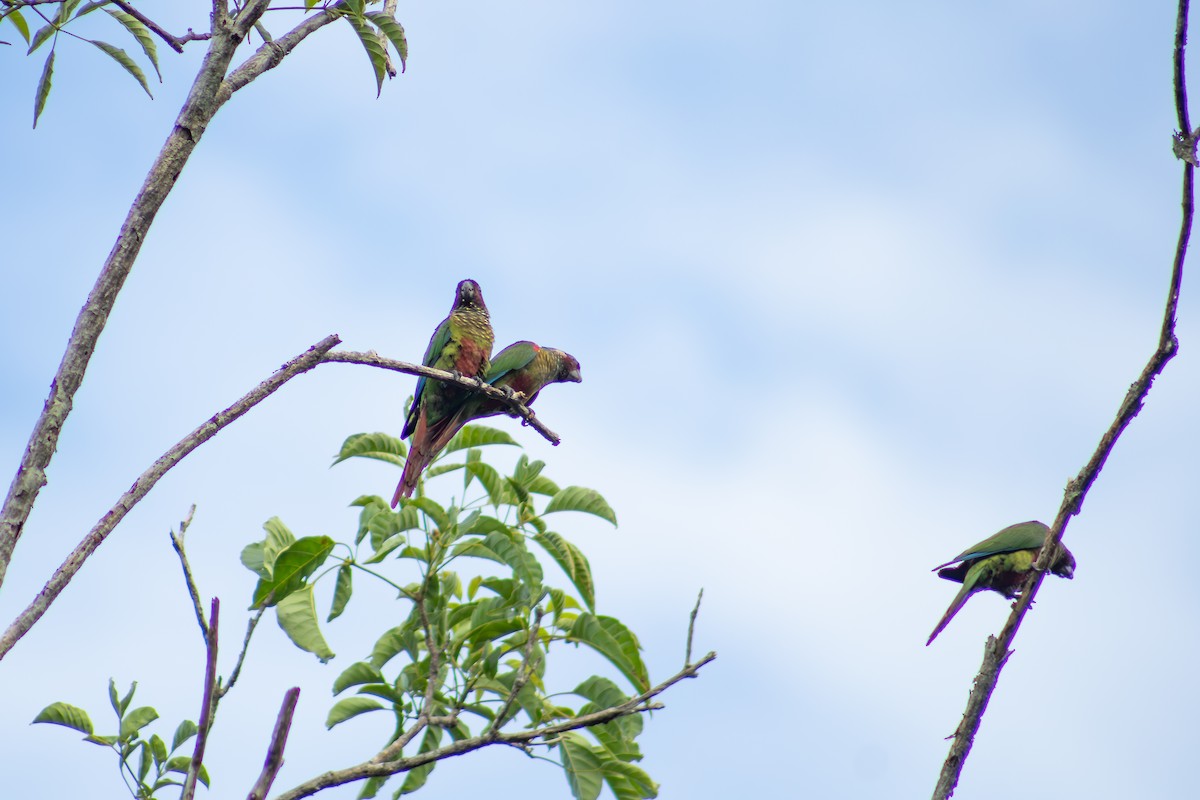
(522, 367)
(1000, 563)
(462, 344)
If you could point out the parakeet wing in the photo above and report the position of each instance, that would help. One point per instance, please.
(516, 356)
(1022, 536)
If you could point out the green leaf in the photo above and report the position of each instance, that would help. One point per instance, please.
(417, 776)
(39, 38)
(122, 58)
(182, 764)
(143, 762)
(88, 8)
(292, 569)
(66, 715)
(137, 719)
(158, 748)
(186, 730)
(611, 639)
(582, 766)
(113, 698)
(341, 592)
(139, 32)
(297, 615)
(127, 699)
(489, 478)
(577, 498)
(401, 639)
(375, 52)
(394, 31)
(543, 485)
(478, 436)
(14, 16)
(278, 539)
(379, 446)
(357, 674)
(627, 781)
(350, 707)
(371, 786)
(43, 85)
(431, 509)
(573, 562)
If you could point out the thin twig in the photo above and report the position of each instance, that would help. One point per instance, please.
(206, 707)
(374, 768)
(998, 648)
(177, 543)
(174, 42)
(514, 403)
(274, 761)
(63, 575)
(692, 627)
(223, 689)
(522, 678)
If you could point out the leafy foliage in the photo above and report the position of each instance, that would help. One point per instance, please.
(479, 615)
(146, 765)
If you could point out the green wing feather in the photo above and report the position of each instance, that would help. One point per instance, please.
(514, 357)
(1022, 536)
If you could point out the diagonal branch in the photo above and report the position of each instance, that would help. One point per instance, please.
(207, 706)
(274, 761)
(514, 403)
(374, 768)
(142, 486)
(198, 110)
(189, 579)
(997, 650)
(174, 42)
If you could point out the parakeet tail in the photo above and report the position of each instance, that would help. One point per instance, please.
(959, 601)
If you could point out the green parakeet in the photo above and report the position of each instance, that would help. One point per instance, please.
(521, 367)
(1000, 563)
(462, 344)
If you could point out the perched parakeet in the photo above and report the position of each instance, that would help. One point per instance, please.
(462, 344)
(1000, 563)
(522, 367)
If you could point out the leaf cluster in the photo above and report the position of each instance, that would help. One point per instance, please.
(155, 765)
(479, 617)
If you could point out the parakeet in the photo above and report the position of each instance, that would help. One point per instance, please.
(522, 367)
(1000, 563)
(462, 344)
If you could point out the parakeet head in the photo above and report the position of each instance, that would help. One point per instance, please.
(1064, 563)
(568, 368)
(469, 294)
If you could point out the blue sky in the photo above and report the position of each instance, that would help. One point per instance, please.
(852, 286)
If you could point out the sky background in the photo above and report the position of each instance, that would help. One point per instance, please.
(853, 286)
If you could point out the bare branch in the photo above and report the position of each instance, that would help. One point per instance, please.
(270, 54)
(513, 402)
(692, 627)
(374, 768)
(177, 543)
(141, 487)
(997, 650)
(207, 706)
(174, 42)
(222, 690)
(274, 762)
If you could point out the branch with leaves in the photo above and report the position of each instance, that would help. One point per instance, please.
(998, 648)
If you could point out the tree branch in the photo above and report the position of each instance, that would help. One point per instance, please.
(274, 762)
(207, 706)
(374, 768)
(141, 487)
(177, 543)
(271, 53)
(198, 110)
(222, 690)
(997, 649)
(174, 42)
(514, 403)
